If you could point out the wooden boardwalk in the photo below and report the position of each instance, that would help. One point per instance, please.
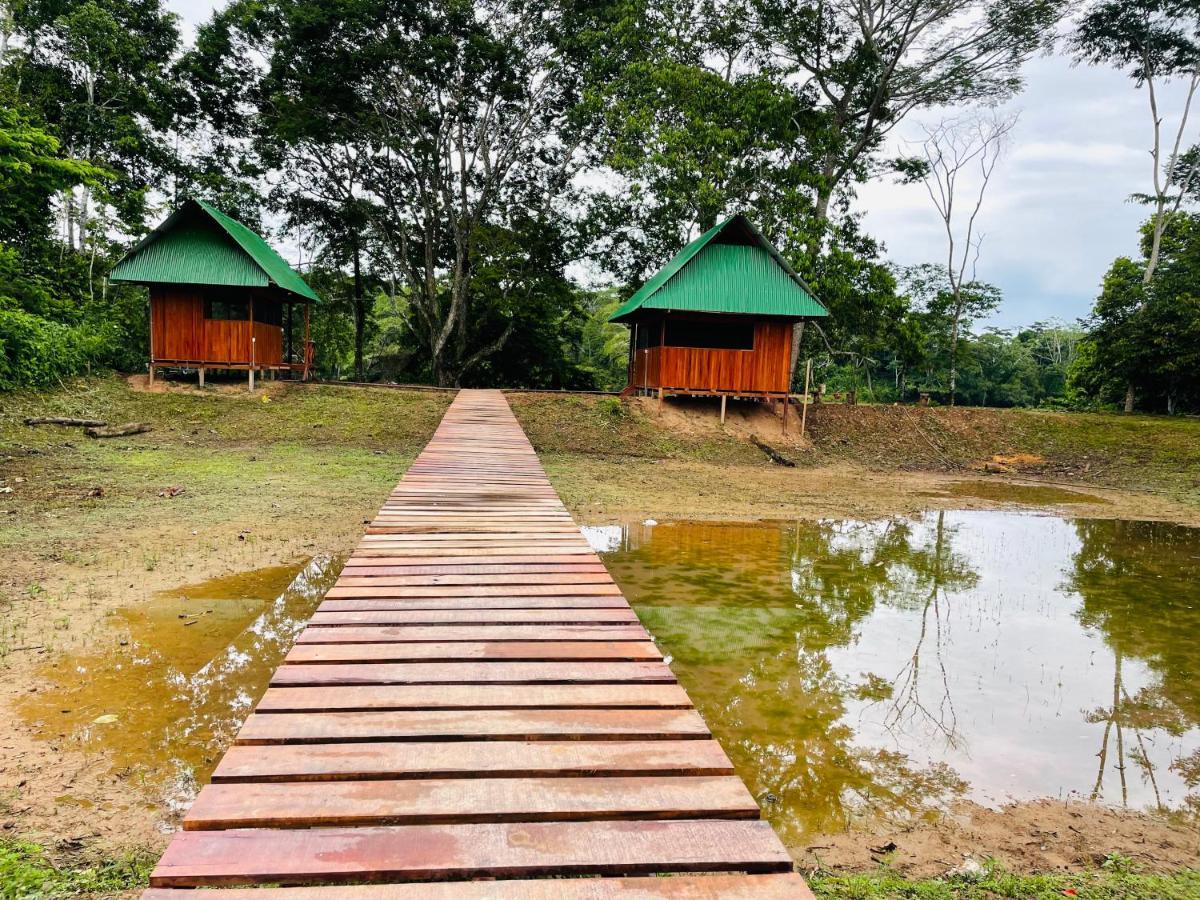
(475, 700)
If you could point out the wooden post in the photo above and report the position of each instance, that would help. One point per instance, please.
(151, 373)
(307, 307)
(252, 343)
(787, 401)
(201, 376)
(660, 399)
(723, 399)
(804, 408)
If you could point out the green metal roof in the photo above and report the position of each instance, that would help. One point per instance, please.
(731, 268)
(199, 244)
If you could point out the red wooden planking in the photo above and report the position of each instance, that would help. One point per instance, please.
(371, 603)
(679, 887)
(525, 590)
(470, 759)
(487, 616)
(406, 580)
(474, 672)
(441, 852)
(513, 651)
(434, 801)
(475, 664)
(473, 696)
(444, 633)
(490, 724)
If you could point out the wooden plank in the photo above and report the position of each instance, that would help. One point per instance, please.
(524, 590)
(438, 801)
(440, 852)
(470, 759)
(494, 725)
(446, 633)
(487, 616)
(473, 604)
(409, 580)
(679, 887)
(474, 672)
(513, 651)
(473, 696)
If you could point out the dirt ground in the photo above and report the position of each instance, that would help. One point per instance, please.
(258, 494)
(1038, 836)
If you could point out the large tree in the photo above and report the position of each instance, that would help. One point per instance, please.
(874, 62)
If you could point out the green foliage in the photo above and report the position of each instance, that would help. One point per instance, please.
(1110, 884)
(1147, 336)
(27, 872)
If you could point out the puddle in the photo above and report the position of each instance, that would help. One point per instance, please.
(1021, 494)
(169, 681)
(880, 669)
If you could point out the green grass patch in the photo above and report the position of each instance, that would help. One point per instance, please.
(27, 871)
(994, 882)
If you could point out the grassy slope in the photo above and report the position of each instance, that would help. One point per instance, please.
(593, 441)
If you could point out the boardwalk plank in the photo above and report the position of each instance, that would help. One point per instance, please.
(436, 801)
(679, 887)
(470, 759)
(496, 725)
(440, 852)
(511, 673)
(473, 696)
(513, 651)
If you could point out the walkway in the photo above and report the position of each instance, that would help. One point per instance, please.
(475, 699)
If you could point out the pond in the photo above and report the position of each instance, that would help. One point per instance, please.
(882, 669)
(186, 669)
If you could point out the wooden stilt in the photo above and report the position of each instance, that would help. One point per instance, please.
(786, 403)
(660, 399)
(201, 370)
(723, 399)
(804, 408)
(151, 374)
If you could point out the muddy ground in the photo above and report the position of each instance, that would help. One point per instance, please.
(276, 483)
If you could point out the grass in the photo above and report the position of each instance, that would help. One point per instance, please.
(994, 882)
(1142, 453)
(27, 871)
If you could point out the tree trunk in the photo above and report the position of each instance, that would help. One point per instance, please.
(797, 337)
(953, 360)
(1129, 396)
(360, 316)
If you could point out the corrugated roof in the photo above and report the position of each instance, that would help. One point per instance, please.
(731, 268)
(199, 244)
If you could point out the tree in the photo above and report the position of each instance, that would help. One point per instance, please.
(874, 62)
(98, 75)
(1155, 41)
(1146, 336)
(951, 151)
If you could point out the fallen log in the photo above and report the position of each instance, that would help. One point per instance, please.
(65, 420)
(775, 455)
(118, 430)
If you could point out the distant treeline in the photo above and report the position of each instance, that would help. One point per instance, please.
(473, 185)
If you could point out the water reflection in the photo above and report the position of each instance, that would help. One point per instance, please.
(177, 675)
(885, 668)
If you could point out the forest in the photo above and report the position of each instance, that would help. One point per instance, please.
(472, 186)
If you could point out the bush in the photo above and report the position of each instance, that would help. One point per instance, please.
(35, 352)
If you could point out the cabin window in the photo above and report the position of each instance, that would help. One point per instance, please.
(268, 312)
(226, 308)
(709, 335)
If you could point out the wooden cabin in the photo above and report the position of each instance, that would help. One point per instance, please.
(220, 297)
(718, 319)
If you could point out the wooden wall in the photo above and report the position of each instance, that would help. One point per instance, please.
(765, 369)
(180, 333)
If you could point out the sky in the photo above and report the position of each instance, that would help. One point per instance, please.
(1056, 212)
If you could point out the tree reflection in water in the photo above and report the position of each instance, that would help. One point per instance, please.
(885, 668)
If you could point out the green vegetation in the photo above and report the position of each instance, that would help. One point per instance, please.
(1108, 883)
(27, 871)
